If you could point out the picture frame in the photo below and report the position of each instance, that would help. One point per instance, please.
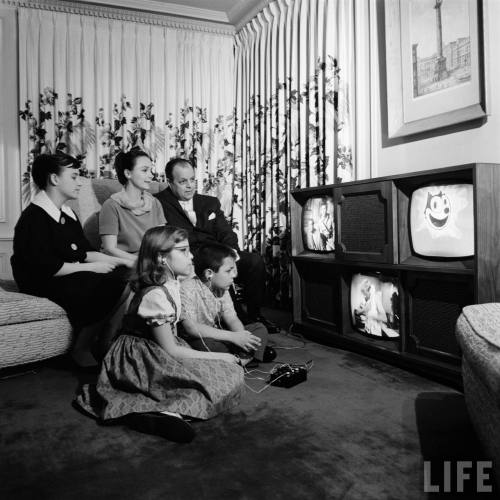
(435, 64)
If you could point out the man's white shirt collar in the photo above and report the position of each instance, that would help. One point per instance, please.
(187, 205)
(42, 200)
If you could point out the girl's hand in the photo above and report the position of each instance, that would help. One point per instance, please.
(245, 340)
(101, 267)
(229, 358)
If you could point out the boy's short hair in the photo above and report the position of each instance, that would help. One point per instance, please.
(211, 256)
(47, 164)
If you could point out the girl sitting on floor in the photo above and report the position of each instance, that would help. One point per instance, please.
(208, 316)
(150, 376)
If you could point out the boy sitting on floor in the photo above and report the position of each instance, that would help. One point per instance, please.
(208, 316)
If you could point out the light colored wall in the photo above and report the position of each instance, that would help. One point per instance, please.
(10, 191)
(463, 144)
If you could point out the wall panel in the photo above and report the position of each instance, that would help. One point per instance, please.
(10, 196)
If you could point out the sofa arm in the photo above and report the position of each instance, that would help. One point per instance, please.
(8, 286)
(31, 328)
(478, 333)
(18, 308)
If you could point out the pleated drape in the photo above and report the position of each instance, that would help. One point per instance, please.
(294, 80)
(260, 114)
(92, 86)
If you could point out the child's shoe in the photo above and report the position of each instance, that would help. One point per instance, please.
(269, 355)
(171, 426)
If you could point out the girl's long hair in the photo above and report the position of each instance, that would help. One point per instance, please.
(156, 243)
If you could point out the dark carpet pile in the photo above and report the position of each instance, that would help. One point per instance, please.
(356, 429)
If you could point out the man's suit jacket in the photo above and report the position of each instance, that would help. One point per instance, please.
(211, 223)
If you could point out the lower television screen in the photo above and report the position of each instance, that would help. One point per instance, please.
(375, 305)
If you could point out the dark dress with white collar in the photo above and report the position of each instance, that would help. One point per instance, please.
(41, 247)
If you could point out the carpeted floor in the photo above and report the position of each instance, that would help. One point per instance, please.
(357, 429)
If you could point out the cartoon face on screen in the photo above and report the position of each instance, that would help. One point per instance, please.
(442, 209)
(437, 210)
(442, 220)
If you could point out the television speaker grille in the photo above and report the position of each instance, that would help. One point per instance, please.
(319, 301)
(363, 223)
(435, 308)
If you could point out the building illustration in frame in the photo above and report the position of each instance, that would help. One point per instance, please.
(440, 44)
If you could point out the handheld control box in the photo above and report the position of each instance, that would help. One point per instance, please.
(288, 375)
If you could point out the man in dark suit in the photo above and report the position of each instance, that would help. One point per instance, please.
(205, 222)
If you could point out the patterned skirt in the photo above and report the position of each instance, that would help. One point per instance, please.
(138, 376)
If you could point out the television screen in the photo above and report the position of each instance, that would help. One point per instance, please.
(442, 220)
(375, 305)
(318, 229)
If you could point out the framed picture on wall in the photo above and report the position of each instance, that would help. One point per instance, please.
(434, 59)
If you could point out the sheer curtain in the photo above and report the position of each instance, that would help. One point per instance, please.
(294, 90)
(91, 86)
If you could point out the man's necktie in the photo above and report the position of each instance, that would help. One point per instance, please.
(191, 216)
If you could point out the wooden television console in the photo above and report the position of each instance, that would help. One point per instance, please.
(372, 235)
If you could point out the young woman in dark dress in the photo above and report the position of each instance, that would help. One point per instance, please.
(53, 259)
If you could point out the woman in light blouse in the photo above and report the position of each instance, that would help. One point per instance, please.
(128, 214)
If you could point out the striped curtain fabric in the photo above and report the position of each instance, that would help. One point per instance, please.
(92, 86)
(294, 87)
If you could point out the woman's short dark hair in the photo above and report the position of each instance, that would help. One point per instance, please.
(126, 161)
(47, 164)
(211, 256)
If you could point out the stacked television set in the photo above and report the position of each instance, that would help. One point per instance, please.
(404, 255)
(317, 224)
